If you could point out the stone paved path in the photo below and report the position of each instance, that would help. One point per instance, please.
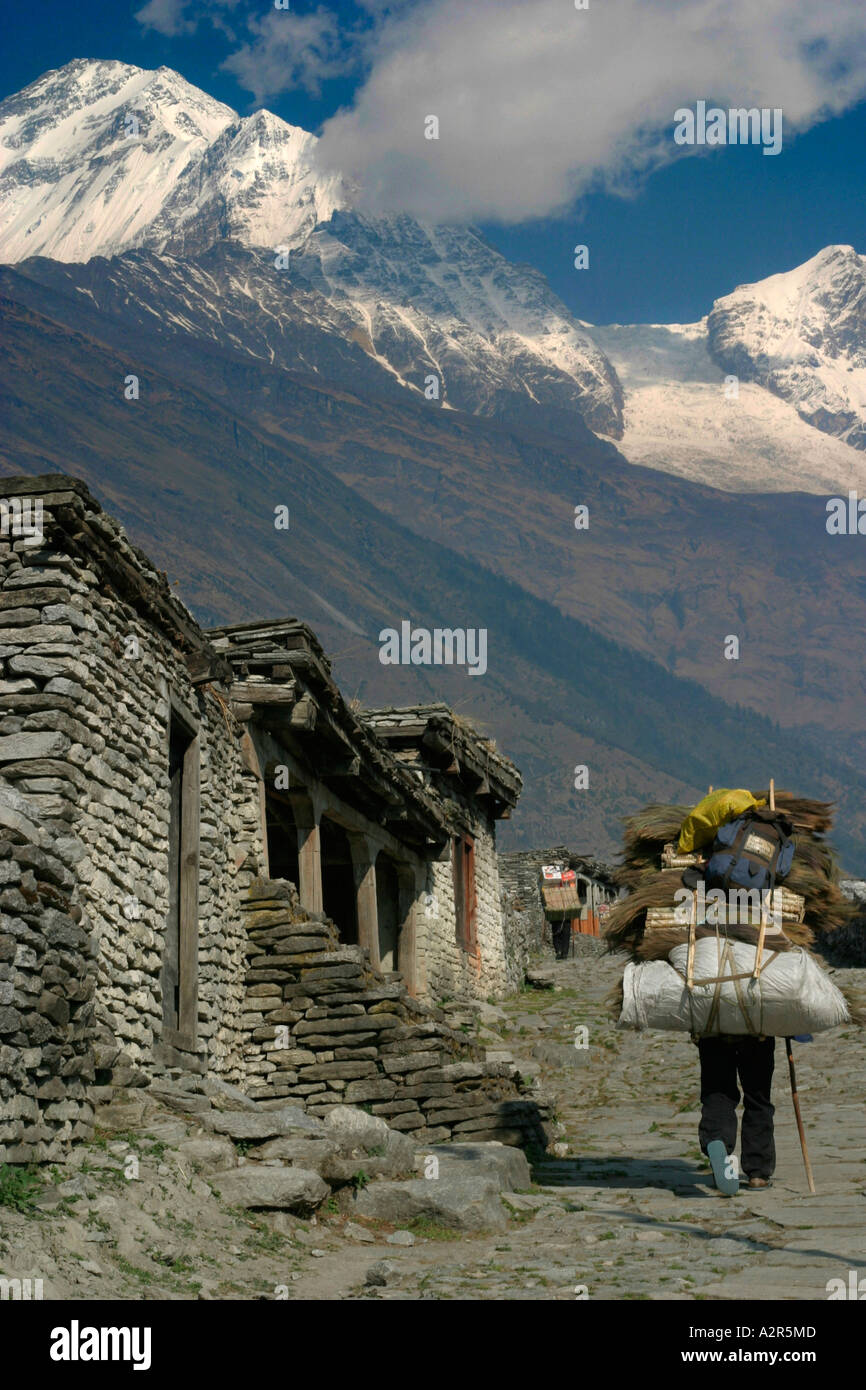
(629, 1211)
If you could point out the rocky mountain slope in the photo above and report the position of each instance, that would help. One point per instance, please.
(99, 158)
(283, 347)
(420, 514)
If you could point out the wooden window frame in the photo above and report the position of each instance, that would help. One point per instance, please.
(465, 892)
(185, 1036)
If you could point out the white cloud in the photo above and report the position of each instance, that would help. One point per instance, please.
(539, 101)
(167, 17)
(288, 50)
(173, 17)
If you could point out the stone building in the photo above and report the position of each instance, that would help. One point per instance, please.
(527, 921)
(153, 778)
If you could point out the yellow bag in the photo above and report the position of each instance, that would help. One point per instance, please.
(700, 825)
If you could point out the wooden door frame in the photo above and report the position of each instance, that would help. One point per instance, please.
(468, 908)
(185, 1036)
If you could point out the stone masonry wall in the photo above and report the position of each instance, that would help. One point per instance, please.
(452, 972)
(47, 978)
(326, 1029)
(89, 679)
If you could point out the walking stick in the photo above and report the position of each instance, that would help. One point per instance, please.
(796, 1100)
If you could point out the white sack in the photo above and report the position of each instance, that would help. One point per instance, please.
(791, 995)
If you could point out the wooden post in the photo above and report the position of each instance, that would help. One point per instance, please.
(309, 850)
(759, 949)
(690, 959)
(796, 1099)
(187, 1022)
(411, 889)
(364, 865)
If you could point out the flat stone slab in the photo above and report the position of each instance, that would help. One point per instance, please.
(356, 1132)
(208, 1155)
(255, 1127)
(506, 1164)
(257, 1186)
(810, 1211)
(300, 1151)
(224, 1096)
(460, 1203)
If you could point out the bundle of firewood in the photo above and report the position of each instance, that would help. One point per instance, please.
(649, 920)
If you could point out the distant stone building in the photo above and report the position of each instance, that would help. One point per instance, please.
(528, 923)
(152, 777)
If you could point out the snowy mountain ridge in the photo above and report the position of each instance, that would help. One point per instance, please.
(254, 242)
(100, 158)
(794, 419)
(802, 335)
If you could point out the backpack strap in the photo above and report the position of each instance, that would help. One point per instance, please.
(759, 949)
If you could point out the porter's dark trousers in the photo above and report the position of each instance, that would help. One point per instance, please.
(723, 1060)
(561, 933)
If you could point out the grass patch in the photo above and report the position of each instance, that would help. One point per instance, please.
(132, 1271)
(521, 1218)
(426, 1229)
(19, 1187)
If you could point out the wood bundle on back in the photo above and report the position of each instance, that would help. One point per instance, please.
(812, 903)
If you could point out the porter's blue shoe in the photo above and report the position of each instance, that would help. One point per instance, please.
(722, 1166)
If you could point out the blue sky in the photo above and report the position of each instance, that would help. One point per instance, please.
(688, 230)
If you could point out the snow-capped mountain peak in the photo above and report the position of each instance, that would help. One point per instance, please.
(90, 153)
(802, 335)
(99, 159)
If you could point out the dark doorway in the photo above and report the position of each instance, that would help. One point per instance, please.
(388, 909)
(180, 956)
(282, 840)
(338, 880)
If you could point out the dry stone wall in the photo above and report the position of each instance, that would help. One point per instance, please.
(519, 872)
(47, 979)
(327, 1030)
(95, 655)
(87, 680)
